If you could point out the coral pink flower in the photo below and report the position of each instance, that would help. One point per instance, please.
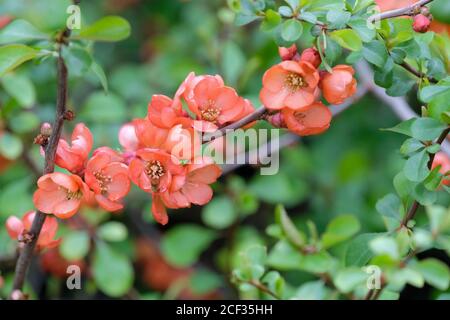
(127, 138)
(182, 143)
(108, 179)
(314, 119)
(153, 169)
(289, 84)
(149, 135)
(312, 56)
(442, 160)
(189, 188)
(339, 84)
(212, 102)
(288, 53)
(73, 157)
(113, 154)
(186, 89)
(16, 228)
(165, 113)
(60, 194)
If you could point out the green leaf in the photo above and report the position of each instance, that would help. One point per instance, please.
(291, 30)
(112, 271)
(203, 282)
(13, 55)
(424, 196)
(358, 251)
(100, 107)
(111, 28)
(440, 9)
(291, 232)
(401, 82)
(403, 127)
(219, 213)
(284, 256)
(348, 279)
(427, 129)
(435, 272)
(347, 38)
(360, 26)
(385, 246)
(439, 219)
(338, 19)
(340, 229)
(403, 186)
(271, 20)
(429, 92)
(112, 231)
(416, 168)
(274, 282)
(20, 31)
(98, 71)
(439, 108)
(11, 146)
(183, 244)
(389, 206)
(243, 19)
(410, 146)
(233, 62)
(75, 245)
(24, 122)
(20, 88)
(375, 52)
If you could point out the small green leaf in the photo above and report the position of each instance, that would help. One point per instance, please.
(403, 127)
(20, 31)
(75, 245)
(11, 147)
(358, 251)
(20, 88)
(183, 244)
(385, 246)
(410, 146)
(219, 213)
(389, 206)
(416, 168)
(112, 272)
(429, 92)
(424, 196)
(347, 38)
(291, 30)
(112, 231)
(347, 280)
(340, 229)
(111, 28)
(360, 26)
(13, 55)
(291, 232)
(98, 71)
(435, 272)
(375, 52)
(203, 282)
(271, 20)
(439, 218)
(427, 129)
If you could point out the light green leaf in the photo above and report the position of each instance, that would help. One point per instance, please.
(340, 229)
(13, 55)
(429, 92)
(20, 31)
(11, 147)
(291, 30)
(75, 245)
(358, 251)
(435, 272)
(385, 246)
(295, 236)
(112, 271)
(375, 52)
(347, 38)
(20, 88)
(416, 168)
(182, 245)
(348, 279)
(111, 28)
(219, 213)
(112, 231)
(427, 129)
(389, 206)
(98, 71)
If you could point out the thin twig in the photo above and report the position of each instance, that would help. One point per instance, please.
(405, 11)
(258, 285)
(417, 73)
(27, 252)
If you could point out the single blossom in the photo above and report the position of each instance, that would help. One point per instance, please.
(60, 194)
(442, 160)
(152, 169)
(108, 179)
(339, 84)
(73, 157)
(186, 89)
(214, 103)
(288, 53)
(165, 113)
(182, 143)
(290, 84)
(312, 56)
(149, 135)
(17, 228)
(314, 119)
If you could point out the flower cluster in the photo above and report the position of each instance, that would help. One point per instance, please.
(294, 87)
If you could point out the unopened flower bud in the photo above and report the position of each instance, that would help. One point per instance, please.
(69, 115)
(421, 23)
(312, 56)
(287, 53)
(276, 120)
(46, 129)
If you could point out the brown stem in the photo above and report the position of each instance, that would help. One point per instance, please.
(263, 288)
(255, 115)
(27, 252)
(417, 73)
(405, 11)
(415, 206)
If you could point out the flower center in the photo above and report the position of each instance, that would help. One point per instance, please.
(103, 181)
(154, 170)
(73, 195)
(295, 81)
(210, 112)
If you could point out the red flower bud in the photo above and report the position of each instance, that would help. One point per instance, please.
(421, 23)
(277, 120)
(312, 56)
(288, 53)
(46, 129)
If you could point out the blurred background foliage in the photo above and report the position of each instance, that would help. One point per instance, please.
(341, 172)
